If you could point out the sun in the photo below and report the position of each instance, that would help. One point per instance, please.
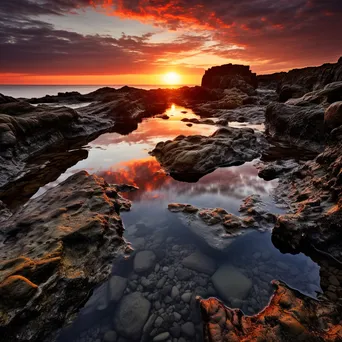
(172, 78)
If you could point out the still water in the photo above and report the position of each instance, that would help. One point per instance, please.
(151, 295)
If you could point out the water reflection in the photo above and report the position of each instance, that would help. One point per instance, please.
(225, 187)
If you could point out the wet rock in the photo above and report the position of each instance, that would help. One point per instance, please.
(333, 116)
(174, 292)
(61, 242)
(188, 329)
(230, 283)
(131, 315)
(117, 286)
(200, 263)
(195, 156)
(161, 337)
(144, 261)
(110, 336)
(289, 316)
(183, 274)
(296, 124)
(229, 76)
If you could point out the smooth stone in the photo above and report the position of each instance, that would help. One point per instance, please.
(131, 315)
(183, 274)
(162, 337)
(117, 286)
(230, 283)
(158, 322)
(175, 330)
(156, 268)
(200, 263)
(174, 292)
(110, 336)
(149, 324)
(161, 282)
(171, 273)
(188, 329)
(186, 297)
(144, 261)
(177, 316)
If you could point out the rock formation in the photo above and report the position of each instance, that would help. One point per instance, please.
(194, 156)
(54, 251)
(290, 316)
(230, 76)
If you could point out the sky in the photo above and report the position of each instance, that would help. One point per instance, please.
(139, 41)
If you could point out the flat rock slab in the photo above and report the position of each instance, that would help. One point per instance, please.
(131, 315)
(200, 263)
(230, 283)
(144, 261)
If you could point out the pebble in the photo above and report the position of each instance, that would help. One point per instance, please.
(175, 330)
(188, 329)
(174, 292)
(156, 268)
(177, 316)
(171, 273)
(158, 322)
(110, 336)
(165, 269)
(186, 297)
(162, 337)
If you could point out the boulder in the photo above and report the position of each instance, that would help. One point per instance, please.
(230, 283)
(131, 315)
(333, 116)
(200, 263)
(144, 261)
(295, 124)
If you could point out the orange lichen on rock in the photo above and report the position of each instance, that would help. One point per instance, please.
(290, 316)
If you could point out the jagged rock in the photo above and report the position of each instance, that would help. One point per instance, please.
(200, 263)
(312, 78)
(290, 91)
(194, 156)
(218, 228)
(131, 315)
(57, 248)
(230, 283)
(230, 76)
(331, 93)
(296, 124)
(290, 316)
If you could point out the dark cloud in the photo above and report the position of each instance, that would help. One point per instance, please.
(267, 33)
(31, 46)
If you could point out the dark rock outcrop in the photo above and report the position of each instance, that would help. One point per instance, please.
(192, 157)
(296, 124)
(290, 316)
(298, 82)
(54, 251)
(230, 76)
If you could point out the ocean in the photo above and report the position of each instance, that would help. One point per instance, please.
(30, 91)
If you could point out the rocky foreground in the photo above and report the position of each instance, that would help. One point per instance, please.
(53, 252)
(60, 245)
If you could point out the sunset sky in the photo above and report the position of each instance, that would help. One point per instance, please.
(139, 41)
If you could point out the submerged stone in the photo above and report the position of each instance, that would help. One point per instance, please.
(131, 315)
(230, 283)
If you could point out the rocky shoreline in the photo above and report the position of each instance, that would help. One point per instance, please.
(61, 244)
